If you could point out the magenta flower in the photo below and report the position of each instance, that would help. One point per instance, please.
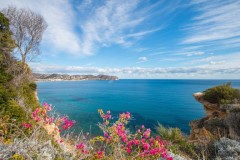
(128, 115)
(26, 125)
(146, 134)
(80, 146)
(67, 124)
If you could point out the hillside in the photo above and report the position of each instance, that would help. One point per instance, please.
(66, 77)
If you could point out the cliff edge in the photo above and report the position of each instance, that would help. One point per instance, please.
(221, 120)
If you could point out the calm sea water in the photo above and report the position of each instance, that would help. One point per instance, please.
(169, 102)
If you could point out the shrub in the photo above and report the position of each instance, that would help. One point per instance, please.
(33, 86)
(178, 140)
(227, 149)
(222, 94)
(117, 141)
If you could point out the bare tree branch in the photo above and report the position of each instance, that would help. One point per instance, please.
(27, 28)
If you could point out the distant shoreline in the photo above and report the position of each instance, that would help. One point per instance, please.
(63, 80)
(65, 77)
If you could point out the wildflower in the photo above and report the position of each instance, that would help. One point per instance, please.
(47, 106)
(129, 150)
(105, 134)
(99, 154)
(128, 115)
(80, 146)
(49, 120)
(66, 124)
(26, 125)
(146, 134)
(146, 146)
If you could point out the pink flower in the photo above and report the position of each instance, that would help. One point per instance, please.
(128, 115)
(135, 142)
(146, 146)
(143, 127)
(26, 125)
(146, 134)
(47, 106)
(99, 154)
(80, 146)
(105, 134)
(68, 124)
(128, 150)
(49, 120)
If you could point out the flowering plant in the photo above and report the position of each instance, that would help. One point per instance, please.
(120, 142)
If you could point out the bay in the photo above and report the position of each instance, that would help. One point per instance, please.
(169, 102)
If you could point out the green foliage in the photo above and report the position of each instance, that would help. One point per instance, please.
(179, 144)
(15, 111)
(27, 91)
(33, 86)
(222, 94)
(173, 135)
(17, 95)
(7, 43)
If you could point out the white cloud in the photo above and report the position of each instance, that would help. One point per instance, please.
(93, 25)
(60, 18)
(197, 53)
(142, 59)
(215, 21)
(130, 72)
(210, 67)
(114, 22)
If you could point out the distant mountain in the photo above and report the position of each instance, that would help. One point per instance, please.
(66, 77)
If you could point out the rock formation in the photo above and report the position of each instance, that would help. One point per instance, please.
(220, 121)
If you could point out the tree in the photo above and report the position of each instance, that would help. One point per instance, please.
(27, 28)
(7, 44)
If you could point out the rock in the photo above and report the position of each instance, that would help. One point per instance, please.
(220, 121)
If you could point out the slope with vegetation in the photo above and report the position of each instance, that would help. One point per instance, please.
(31, 131)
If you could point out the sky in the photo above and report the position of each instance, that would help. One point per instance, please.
(139, 39)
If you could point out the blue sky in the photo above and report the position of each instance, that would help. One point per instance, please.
(139, 38)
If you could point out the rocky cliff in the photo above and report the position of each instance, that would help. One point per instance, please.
(221, 120)
(66, 77)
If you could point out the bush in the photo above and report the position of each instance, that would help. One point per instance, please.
(33, 86)
(179, 144)
(227, 149)
(222, 94)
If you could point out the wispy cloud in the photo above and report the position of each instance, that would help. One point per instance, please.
(61, 20)
(142, 59)
(216, 20)
(115, 22)
(92, 24)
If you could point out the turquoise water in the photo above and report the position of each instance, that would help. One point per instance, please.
(169, 102)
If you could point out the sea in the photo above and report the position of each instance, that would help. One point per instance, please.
(168, 102)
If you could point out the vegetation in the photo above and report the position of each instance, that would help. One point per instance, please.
(17, 97)
(29, 130)
(178, 141)
(227, 149)
(222, 94)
